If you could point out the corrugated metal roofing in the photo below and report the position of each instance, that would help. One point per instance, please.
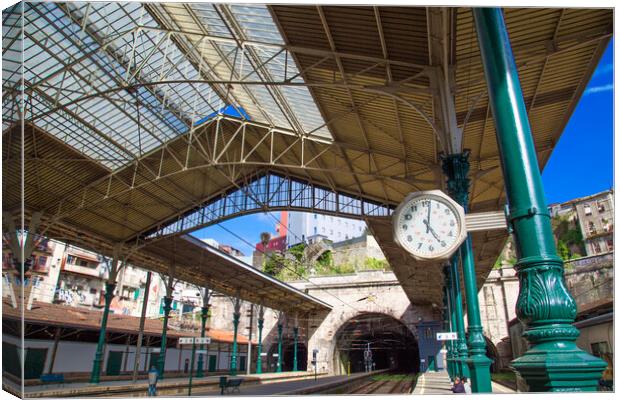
(356, 92)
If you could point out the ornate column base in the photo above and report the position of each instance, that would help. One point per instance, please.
(450, 366)
(462, 368)
(479, 367)
(559, 367)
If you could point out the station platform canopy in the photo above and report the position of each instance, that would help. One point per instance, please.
(137, 115)
(204, 265)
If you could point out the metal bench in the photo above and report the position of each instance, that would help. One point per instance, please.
(52, 378)
(226, 383)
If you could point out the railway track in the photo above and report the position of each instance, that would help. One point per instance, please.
(386, 384)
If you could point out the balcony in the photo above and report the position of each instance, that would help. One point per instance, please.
(97, 272)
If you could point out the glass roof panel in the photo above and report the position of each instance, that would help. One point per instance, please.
(110, 75)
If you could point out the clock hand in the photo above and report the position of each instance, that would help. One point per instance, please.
(428, 218)
(428, 228)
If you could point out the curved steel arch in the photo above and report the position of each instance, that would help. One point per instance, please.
(270, 191)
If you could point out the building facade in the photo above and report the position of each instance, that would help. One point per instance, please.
(301, 226)
(594, 215)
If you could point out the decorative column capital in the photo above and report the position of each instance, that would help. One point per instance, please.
(167, 304)
(456, 168)
(109, 291)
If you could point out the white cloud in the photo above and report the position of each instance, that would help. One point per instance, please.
(598, 89)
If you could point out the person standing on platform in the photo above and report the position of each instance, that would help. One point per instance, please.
(153, 376)
(466, 385)
(458, 386)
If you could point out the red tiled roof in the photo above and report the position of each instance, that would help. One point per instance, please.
(63, 315)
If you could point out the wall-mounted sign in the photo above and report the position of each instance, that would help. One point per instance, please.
(447, 336)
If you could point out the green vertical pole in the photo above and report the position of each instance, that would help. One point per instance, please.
(279, 369)
(295, 332)
(553, 361)
(448, 321)
(456, 168)
(259, 360)
(453, 343)
(161, 361)
(203, 322)
(461, 344)
(233, 361)
(96, 372)
(191, 369)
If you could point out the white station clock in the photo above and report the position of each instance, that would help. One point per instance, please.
(429, 225)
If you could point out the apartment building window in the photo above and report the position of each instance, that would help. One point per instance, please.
(71, 260)
(610, 244)
(314, 216)
(315, 228)
(591, 227)
(587, 209)
(331, 231)
(596, 247)
(601, 206)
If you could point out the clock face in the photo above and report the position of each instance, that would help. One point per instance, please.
(428, 226)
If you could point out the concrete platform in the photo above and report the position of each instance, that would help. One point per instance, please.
(433, 383)
(168, 387)
(439, 383)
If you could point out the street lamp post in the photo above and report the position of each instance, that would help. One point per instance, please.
(553, 362)
(161, 361)
(279, 368)
(295, 332)
(460, 351)
(236, 316)
(109, 294)
(456, 168)
(203, 317)
(448, 321)
(261, 321)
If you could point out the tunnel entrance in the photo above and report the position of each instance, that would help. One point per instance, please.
(391, 344)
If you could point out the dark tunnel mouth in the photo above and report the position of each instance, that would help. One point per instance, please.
(393, 346)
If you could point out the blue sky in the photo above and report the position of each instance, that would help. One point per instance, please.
(581, 163)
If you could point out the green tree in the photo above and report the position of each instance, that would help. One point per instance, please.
(563, 250)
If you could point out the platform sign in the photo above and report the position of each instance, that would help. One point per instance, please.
(186, 340)
(447, 336)
(263, 354)
(194, 340)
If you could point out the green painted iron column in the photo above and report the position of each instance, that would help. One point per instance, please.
(233, 361)
(259, 360)
(161, 361)
(456, 168)
(203, 317)
(553, 362)
(109, 294)
(461, 344)
(449, 320)
(279, 369)
(295, 333)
